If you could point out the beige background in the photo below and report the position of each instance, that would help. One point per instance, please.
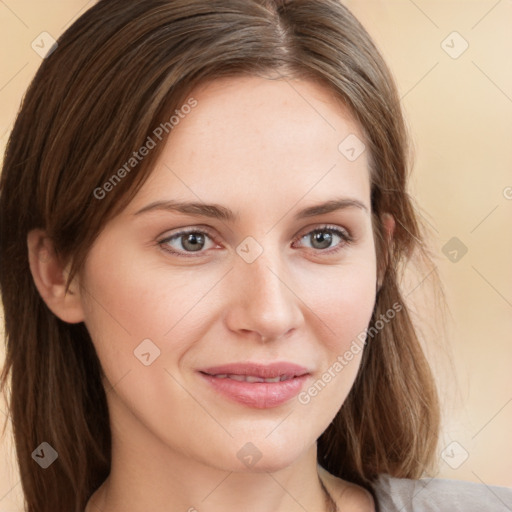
(460, 115)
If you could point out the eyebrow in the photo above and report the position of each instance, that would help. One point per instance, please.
(217, 211)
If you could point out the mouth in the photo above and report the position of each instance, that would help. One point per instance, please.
(257, 372)
(260, 386)
(250, 378)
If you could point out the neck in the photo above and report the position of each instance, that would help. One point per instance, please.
(145, 473)
(285, 490)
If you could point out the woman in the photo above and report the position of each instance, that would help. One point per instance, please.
(204, 216)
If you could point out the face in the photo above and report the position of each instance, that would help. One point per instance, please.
(261, 282)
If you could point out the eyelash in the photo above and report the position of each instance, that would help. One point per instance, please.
(347, 239)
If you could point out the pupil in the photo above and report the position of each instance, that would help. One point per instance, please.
(193, 241)
(324, 238)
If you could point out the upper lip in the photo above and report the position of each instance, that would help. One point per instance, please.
(263, 370)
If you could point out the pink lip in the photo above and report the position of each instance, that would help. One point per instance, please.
(259, 395)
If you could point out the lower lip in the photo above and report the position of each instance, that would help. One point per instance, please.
(259, 395)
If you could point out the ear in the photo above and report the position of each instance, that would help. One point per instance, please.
(50, 276)
(388, 221)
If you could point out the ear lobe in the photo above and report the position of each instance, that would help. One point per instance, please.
(50, 277)
(388, 221)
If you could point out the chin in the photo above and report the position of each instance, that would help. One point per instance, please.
(265, 456)
(265, 465)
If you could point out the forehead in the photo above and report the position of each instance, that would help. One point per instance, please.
(255, 139)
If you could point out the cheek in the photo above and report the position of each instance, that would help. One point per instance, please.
(129, 299)
(342, 299)
(341, 307)
(345, 308)
(350, 306)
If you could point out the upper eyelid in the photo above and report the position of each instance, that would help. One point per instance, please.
(322, 227)
(184, 231)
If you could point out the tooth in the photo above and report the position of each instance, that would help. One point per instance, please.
(252, 378)
(239, 378)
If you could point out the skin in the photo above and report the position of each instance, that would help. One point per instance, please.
(265, 149)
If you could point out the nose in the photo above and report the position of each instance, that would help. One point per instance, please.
(262, 301)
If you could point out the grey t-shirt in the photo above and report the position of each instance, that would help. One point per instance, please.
(439, 495)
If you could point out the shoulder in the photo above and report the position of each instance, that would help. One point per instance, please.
(439, 495)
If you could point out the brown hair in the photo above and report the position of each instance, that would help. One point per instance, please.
(116, 74)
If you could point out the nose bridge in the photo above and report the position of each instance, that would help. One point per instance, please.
(264, 301)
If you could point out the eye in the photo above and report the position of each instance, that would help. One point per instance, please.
(186, 243)
(191, 241)
(322, 239)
